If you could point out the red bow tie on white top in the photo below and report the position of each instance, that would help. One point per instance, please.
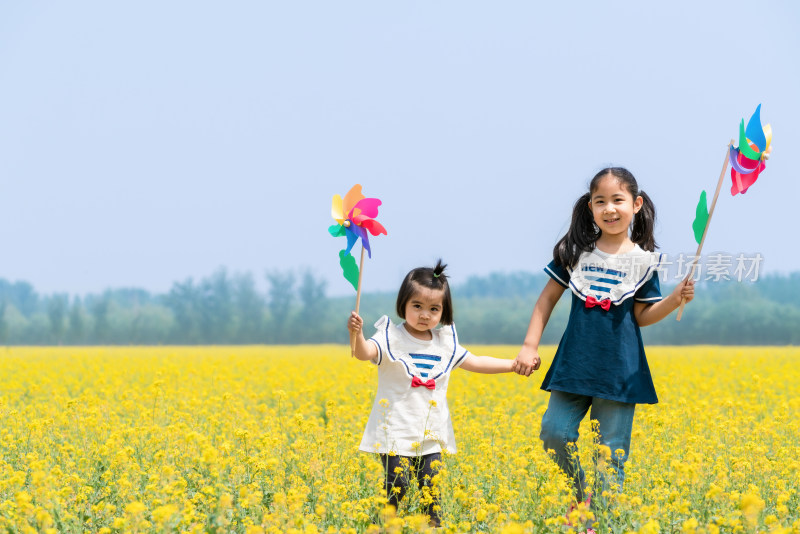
(591, 302)
(417, 382)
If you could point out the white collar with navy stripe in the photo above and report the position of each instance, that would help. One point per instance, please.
(424, 359)
(613, 276)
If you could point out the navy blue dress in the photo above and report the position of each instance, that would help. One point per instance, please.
(601, 353)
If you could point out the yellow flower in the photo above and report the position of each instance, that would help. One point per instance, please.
(164, 513)
(689, 526)
(751, 505)
(481, 515)
(135, 508)
(225, 501)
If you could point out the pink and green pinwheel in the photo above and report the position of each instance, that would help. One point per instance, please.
(355, 218)
(748, 160)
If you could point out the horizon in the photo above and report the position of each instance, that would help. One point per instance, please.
(667, 278)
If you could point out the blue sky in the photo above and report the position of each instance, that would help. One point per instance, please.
(144, 143)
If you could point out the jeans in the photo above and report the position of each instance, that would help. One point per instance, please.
(416, 466)
(560, 432)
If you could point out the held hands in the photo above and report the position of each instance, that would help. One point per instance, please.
(526, 362)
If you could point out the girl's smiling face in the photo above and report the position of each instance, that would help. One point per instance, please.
(423, 311)
(613, 207)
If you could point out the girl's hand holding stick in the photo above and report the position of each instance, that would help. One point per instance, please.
(361, 350)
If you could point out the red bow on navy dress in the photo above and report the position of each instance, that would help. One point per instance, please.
(591, 302)
(417, 382)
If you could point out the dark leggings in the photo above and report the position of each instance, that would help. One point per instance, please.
(423, 471)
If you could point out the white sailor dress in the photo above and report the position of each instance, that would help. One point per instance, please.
(410, 416)
(601, 353)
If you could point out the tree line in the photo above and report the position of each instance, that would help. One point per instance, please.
(228, 308)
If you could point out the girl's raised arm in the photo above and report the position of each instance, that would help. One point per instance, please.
(364, 351)
(647, 314)
(528, 360)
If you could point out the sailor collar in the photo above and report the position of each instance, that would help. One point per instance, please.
(617, 277)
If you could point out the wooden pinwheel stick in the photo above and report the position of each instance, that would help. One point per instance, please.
(358, 302)
(708, 223)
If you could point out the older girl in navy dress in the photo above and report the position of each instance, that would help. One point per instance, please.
(607, 260)
(409, 424)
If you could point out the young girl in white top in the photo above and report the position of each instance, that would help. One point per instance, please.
(409, 424)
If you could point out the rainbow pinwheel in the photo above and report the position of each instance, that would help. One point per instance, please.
(748, 160)
(355, 218)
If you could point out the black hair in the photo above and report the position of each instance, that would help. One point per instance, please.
(432, 279)
(583, 232)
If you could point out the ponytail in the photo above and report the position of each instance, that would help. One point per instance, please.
(581, 235)
(644, 224)
(438, 272)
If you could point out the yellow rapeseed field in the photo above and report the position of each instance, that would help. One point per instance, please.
(264, 439)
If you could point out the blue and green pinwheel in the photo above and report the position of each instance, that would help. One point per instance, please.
(747, 161)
